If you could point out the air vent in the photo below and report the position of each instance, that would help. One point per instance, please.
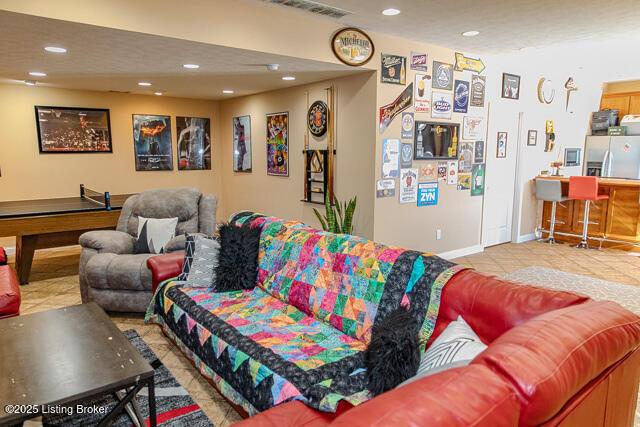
(313, 7)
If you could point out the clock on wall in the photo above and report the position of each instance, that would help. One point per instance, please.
(317, 118)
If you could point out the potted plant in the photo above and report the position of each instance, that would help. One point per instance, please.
(338, 216)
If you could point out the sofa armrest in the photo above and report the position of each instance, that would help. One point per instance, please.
(466, 396)
(108, 241)
(550, 358)
(165, 267)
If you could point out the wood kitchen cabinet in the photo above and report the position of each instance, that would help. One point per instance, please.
(625, 103)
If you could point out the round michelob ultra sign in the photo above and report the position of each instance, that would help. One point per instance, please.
(317, 118)
(352, 46)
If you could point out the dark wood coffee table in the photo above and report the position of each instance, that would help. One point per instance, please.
(66, 357)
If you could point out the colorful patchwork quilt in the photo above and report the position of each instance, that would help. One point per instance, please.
(301, 332)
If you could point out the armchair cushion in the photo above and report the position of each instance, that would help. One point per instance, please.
(124, 272)
(108, 241)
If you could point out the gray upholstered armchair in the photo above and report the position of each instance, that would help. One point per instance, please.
(116, 278)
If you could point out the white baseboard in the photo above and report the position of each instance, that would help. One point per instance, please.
(457, 253)
(526, 238)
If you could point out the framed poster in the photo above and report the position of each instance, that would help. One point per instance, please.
(242, 161)
(194, 143)
(73, 130)
(152, 142)
(422, 102)
(352, 46)
(478, 84)
(472, 127)
(390, 158)
(478, 152)
(461, 96)
(393, 69)
(501, 147)
(532, 137)
(278, 144)
(408, 185)
(442, 76)
(441, 105)
(510, 86)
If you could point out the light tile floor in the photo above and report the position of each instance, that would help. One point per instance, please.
(54, 284)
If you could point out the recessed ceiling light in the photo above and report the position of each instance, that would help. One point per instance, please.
(55, 49)
(144, 84)
(288, 78)
(227, 91)
(37, 74)
(471, 33)
(30, 82)
(191, 66)
(391, 12)
(157, 93)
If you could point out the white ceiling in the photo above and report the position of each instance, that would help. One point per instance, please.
(504, 25)
(108, 59)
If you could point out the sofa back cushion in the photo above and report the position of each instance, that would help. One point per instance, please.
(492, 306)
(162, 203)
(347, 281)
(551, 357)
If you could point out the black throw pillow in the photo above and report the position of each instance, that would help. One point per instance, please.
(238, 259)
(393, 355)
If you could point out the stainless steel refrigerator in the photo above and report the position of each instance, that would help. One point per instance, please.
(612, 156)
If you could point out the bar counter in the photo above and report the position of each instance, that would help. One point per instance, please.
(617, 218)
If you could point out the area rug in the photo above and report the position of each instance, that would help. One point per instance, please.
(627, 296)
(174, 405)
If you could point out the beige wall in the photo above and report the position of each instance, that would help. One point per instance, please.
(280, 196)
(27, 174)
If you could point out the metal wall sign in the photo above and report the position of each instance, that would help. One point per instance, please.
(393, 69)
(461, 96)
(352, 46)
(442, 76)
(419, 61)
(477, 91)
(390, 111)
(464, 63)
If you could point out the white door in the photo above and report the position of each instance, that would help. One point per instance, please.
(497, 212)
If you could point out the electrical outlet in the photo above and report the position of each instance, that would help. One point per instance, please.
(438, 234)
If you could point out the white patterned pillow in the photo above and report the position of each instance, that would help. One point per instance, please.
(154, 234)
(202, 271)
(456, 346)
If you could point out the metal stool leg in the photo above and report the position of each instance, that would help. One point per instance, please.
(551, 240)
(585, 226)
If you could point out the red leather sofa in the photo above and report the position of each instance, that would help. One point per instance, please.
(553, 359)
(9, 289)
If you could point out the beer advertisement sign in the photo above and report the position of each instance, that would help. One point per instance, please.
(390, 111)
(393, 69)
(461, 96)
(441, 105)
(477, 91)
(422, 103)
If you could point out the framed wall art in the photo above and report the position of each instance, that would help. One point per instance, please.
(242, 144)
(434, 140)
(194, 143)
(532, 137)
(152, 142)
(510, 86)
(73, 130)
(501, 146)
(278, 144)
(352, 46)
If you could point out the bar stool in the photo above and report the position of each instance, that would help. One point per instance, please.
(550, 190)
(585, 188)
